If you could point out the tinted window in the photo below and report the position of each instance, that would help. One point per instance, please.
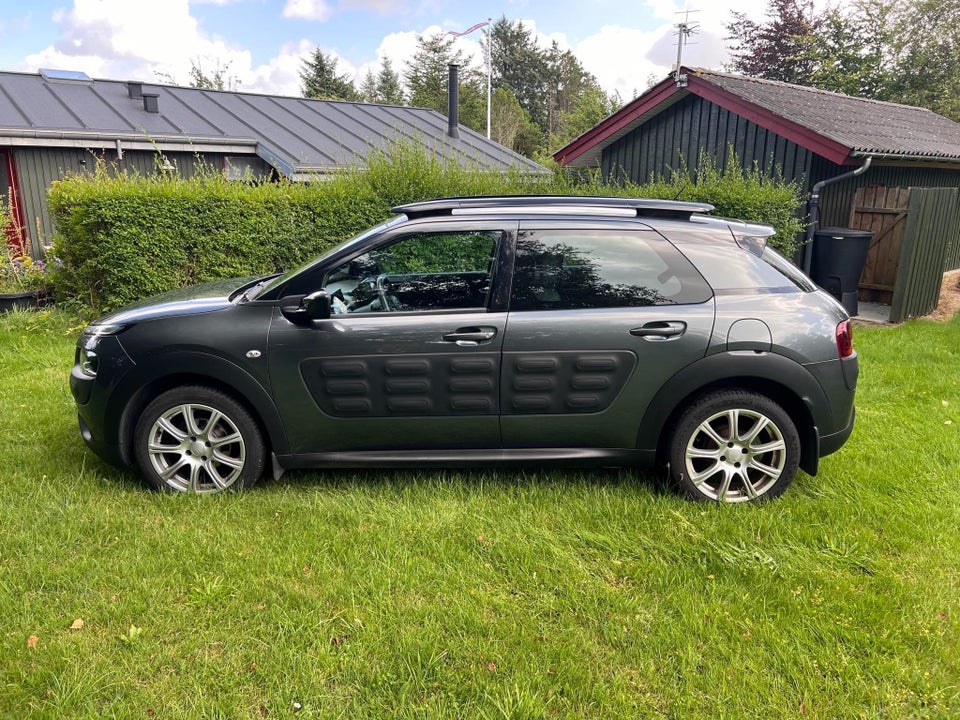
(427, 271)
(729, 269)
(789, 270)
(568, 269)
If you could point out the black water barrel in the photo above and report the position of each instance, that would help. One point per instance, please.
(838, 258)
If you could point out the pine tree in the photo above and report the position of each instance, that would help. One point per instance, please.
(389, 90)
(427, 79)
(368, 89)
(520, 66)
(319, 78)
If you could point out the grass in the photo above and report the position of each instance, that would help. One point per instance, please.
(484, 594)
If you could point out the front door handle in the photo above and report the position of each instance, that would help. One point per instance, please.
(471, 335)
(660, 330)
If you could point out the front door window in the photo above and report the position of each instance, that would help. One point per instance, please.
(419, 273)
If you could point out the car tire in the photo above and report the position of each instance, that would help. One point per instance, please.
(757, 461)
(196, 439)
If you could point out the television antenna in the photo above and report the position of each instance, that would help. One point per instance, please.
(685, 29)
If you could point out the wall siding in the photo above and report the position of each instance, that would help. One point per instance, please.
(678, 134)
(835, 199)
(38, 168)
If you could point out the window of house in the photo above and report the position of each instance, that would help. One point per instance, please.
(241, 167)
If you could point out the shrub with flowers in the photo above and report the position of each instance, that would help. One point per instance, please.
(19, 273)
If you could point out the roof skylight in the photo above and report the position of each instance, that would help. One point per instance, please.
(53, 75)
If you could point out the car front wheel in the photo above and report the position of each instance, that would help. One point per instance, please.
(734, 446)
(196, 439)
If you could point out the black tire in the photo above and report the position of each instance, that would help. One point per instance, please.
(196, 439)
(758, 462)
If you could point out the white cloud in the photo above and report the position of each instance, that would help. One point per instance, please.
(627, 60)
(281, 75)
(307, 10)
(399, 47)
(320, 10)
(112, 39)
(623, 59)
(384, 7)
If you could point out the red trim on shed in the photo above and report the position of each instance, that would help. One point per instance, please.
(18, 240)
(650, 102)
(630, 113)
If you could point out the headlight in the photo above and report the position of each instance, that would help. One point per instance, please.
(87, 357)
(101, 330)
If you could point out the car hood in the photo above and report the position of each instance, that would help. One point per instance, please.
(191, 300)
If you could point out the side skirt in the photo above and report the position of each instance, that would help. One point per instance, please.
(581, 457)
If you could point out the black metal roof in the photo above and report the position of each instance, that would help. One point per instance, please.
(302, 138)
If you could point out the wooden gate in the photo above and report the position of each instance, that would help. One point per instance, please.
(931, 230)
(884, 211)
(913, 230)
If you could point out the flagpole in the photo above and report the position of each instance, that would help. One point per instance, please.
(489, 37)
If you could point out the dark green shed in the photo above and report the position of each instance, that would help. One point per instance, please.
(805, 134)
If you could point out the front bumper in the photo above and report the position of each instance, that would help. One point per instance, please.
(99, 422)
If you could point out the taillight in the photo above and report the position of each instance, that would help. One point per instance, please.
(845, 339)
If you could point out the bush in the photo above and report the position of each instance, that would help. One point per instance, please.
(126, 237)
(735, 193)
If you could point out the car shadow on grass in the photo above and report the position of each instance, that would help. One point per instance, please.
(472, 480)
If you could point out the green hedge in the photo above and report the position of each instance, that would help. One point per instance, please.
(127, 237)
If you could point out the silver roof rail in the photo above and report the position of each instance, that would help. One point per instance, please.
(644, 207)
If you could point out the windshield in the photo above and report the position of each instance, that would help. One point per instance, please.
(276, 282)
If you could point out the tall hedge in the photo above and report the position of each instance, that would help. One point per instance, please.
(126, 237)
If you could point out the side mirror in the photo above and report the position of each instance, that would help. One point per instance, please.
(317, 305)
(303, 309)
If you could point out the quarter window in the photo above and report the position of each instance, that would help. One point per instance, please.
(567, 270)
(422, 272)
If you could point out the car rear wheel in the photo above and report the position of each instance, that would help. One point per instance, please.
(734, 446)
(196, 439)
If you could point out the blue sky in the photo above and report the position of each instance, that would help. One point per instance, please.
(624, 43)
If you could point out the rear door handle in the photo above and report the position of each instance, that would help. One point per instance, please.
(471, 335)
(660, 330)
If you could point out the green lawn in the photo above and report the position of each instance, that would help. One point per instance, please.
(484, 594)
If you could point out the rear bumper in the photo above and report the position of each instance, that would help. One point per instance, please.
(833, 442)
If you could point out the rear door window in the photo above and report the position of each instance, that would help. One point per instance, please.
(579, 269)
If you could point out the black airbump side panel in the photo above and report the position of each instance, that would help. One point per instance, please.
(563, 382)
(398, 386)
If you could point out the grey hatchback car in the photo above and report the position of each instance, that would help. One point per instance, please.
(487, 330)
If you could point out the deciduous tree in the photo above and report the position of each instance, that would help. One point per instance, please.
(778, 48)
